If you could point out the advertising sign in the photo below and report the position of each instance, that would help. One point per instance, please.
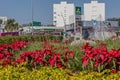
(78, 10)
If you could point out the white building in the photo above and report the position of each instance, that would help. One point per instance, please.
(63, 14)
(4, 19)
(94, 11)
(2, 26)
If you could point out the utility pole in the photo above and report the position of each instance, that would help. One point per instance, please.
(32, 14)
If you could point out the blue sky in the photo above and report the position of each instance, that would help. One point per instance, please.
(21, 10)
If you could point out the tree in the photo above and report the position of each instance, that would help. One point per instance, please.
(11, 25)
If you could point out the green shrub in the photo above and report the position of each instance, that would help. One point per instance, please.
(10, 39)
(20, 72)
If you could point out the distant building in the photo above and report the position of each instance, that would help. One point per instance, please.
(100, 23)
(2, 25)
(94, 11)
(4, 19)
(63, 14)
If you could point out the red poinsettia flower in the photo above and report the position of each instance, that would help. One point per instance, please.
(113, 71)
(1, 56)
(71, 53)
(51, 62)
(85, 62)
(59, 65)
(19, 61)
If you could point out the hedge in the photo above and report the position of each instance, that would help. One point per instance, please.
(10, 39)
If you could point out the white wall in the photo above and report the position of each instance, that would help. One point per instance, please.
(2, 26)
(94, 11)
(4, 19)
(62, 13)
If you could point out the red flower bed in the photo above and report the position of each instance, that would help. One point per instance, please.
(47, 56)
(96, 58)
(7, 51)
(100, 57)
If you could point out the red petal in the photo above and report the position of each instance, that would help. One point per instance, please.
(96, 64)
(85, 62)
(102, 57)
(118, 62)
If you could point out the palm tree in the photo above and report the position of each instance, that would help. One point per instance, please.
(15, 26)
(11, 25)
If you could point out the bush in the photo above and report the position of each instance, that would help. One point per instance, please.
(20, 72)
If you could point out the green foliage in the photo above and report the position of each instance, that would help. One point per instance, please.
(20, 72)
(10, 39)
(105, 75)
(33, 47)
(11, 25)
(112, 44)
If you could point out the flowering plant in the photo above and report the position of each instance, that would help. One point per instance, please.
(100, 57)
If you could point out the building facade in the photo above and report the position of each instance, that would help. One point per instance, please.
(94, 11)
(2, 25)
(63, 14)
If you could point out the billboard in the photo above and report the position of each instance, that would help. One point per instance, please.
(78, 10)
